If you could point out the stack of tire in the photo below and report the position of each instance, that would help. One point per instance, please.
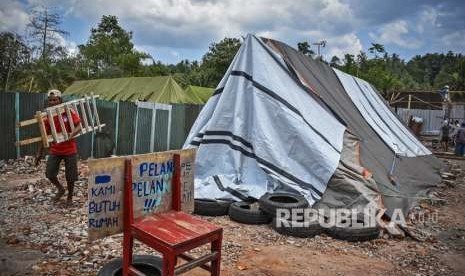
(264, 210)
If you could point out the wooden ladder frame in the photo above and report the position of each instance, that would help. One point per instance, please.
(90, 121)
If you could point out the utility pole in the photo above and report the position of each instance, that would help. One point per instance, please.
(320, 44)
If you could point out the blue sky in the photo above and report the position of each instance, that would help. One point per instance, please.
(172, 30)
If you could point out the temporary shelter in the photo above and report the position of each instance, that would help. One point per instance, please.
(203, 93)
(281, 121)
(162, 89)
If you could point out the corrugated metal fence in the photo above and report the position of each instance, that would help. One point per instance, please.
(432, 119)
(131, 128)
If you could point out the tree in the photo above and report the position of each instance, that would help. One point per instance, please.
(215, 62)
(14, 60)
(376, 48)
(335, 62)
(305, 49)
(44, 27)
(109, 51)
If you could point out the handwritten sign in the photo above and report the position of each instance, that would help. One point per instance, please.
(151, 188)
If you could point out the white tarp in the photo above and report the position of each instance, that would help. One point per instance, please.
(261, 131)
(380, 117)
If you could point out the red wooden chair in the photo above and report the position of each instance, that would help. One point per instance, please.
(172, 233)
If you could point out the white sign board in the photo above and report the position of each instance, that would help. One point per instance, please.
(151, 188)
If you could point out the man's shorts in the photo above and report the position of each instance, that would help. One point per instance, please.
(71, 169)
(445, 139)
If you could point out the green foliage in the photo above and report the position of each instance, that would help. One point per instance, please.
(305, 49)
(215, 62)
(388, 73)
(110, 52)
(14, 60)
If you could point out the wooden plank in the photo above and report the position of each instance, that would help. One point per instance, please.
(62, 125)
(70, 117)
(91, 117)
(67, 103)
(190, 258)
(26, 122)
(195, 263)
(83, 130)
(52, 125)
(43, 131)
(83, 115)
(97, 119)
(28, 141)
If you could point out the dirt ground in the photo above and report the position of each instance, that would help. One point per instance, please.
(41, 238)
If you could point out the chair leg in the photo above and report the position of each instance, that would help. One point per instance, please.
(169, 263)
(128, 242)
(216, 264)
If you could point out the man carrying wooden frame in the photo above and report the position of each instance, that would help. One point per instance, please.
(68, 125)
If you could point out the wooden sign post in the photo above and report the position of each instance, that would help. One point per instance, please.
(151, 176)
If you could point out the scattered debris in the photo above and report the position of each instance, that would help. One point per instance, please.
(30, 221)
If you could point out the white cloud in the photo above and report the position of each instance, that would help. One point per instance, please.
(70, 45)
(428, 19)
(194, 24)
(341, 45)
(13, 17)
(455, 40)
(396, 33)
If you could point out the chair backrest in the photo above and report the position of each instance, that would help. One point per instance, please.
(128, 208)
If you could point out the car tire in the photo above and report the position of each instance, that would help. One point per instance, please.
(211, 207)
(248, 213)
(311, 229)
(147, 264)
(269, 203)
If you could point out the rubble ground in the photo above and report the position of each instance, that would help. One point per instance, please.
(38, 237)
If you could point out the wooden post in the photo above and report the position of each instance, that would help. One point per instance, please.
(128, 217)
(17, 133)
(176, 183)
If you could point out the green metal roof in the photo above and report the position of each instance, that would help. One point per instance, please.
(162, 89)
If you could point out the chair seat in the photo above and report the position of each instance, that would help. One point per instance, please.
(174, 228)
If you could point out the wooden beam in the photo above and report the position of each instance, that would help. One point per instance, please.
(80, 123)
(97, 119)
(87, 104)
(28, 141)
(66, 103)
(26, 123)
(195, 263)
(43, 131)
(52, 125)
(83, 115)
(70, 117)
(62, 125)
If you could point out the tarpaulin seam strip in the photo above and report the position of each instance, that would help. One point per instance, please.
(259, 160)
(225, 133)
